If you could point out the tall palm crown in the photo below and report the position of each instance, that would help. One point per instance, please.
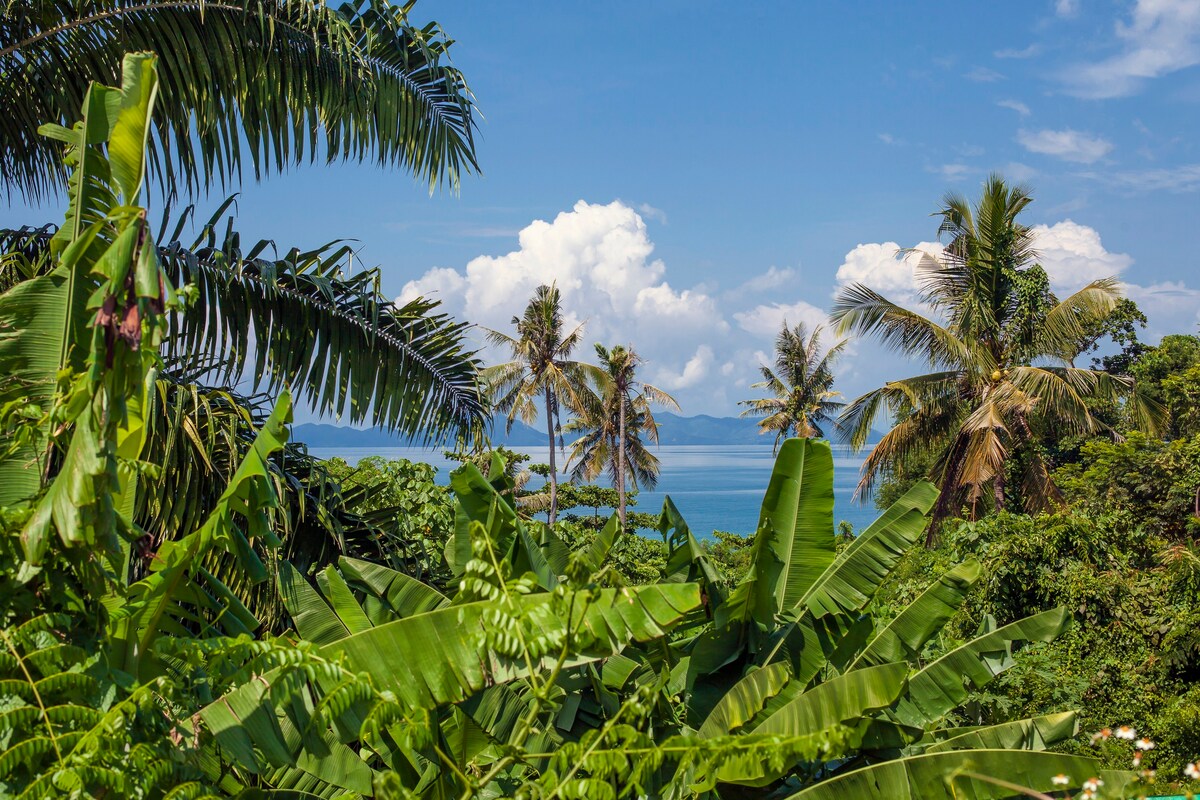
(541, 371)
(291, 79)
(613, 424)
(1000, 358)
(801, 384)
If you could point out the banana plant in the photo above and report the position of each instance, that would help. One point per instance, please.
(806, 652)
(101, 341)
(466, 683)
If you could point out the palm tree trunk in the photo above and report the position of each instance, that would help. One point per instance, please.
(553, 512)
(621, 465)
(998, 489)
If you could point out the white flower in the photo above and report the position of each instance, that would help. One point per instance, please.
(1144, 744)
(1126, 732)
(1092, 785)
(1192, 771)
(1063, 780)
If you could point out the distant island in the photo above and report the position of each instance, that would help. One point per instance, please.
(673, 430)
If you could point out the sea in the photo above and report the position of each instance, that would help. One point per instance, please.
(715, 487)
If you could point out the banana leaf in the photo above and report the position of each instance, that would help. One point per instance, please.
(442, 657)
(947, 682)
(961, 775)
(907, 634)
(1034, 733)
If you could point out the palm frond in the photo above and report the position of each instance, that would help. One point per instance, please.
(1068, 322)
(653, 394)
(860, 310)
(302, 321)
(264, 83)
(1059, 395)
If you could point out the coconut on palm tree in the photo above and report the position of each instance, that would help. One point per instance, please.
(614, 422)
(801, 385)
(999, 347)
(541, 371)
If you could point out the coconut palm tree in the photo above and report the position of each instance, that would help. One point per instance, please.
(614, 422)
(999, 345)
(541, 371)
(264, 83)
(800, 383)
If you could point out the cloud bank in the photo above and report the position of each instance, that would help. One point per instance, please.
(705, 345)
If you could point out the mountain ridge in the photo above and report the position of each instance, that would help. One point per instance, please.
(674, 429)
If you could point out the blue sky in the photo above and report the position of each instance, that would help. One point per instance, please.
(694, 173)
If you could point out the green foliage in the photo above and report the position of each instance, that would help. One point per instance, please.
(732, 555)
(414, 514)
(68, 729)
(1155, 481)
(635, 558)
(1120, 327)
(1170, 374)
(1131, 658)
(418, 679)
(795, 651)
(99, 700)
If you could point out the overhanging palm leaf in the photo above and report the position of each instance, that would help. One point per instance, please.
(346, 348)
(862, 311)
(301, 321)
(261, 82)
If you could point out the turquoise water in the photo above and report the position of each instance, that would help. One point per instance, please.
(716, 487)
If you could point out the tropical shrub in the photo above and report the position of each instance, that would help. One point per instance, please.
(1157, 482)
(1132, 657)
(414, 513)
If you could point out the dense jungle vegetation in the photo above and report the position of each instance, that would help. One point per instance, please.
(193, 606)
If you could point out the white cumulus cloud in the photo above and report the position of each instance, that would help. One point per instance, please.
(694, 371)
(600, 257)
(885, 268)
(767, 320)
(1073, 255)
(1069, 145)
(602, 260)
